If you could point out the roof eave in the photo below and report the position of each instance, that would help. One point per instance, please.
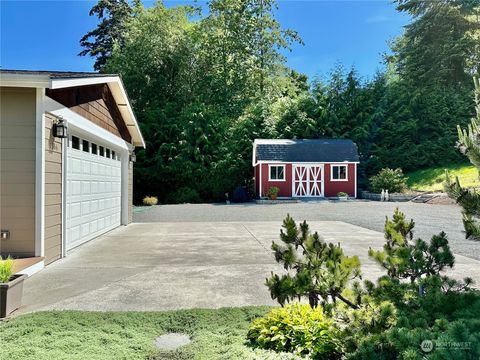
(125, 108)
(119, 94)
(60, 83)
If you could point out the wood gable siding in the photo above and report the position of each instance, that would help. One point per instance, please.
(96, 103)
(53, 193)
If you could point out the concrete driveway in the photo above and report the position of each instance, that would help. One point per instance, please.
(429, 219)
(173, 265)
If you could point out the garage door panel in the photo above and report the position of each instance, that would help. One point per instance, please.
(93, 195)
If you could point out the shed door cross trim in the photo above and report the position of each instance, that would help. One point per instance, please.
(308, 180)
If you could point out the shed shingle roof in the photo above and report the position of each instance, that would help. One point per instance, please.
(311, 150)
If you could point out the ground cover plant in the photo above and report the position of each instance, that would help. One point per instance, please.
(74, 335)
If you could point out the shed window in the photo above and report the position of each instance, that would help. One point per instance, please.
(94, 148)
(108, 153)
(101, 152)
(113, 155)
(339, 173)
(276, 173)
(75, 142)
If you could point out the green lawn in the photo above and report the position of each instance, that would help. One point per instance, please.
(432, 179)
(216, 334)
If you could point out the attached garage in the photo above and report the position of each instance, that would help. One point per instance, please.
(67, 144)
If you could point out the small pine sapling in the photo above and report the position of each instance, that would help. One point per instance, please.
(316, 270)
(405, 258)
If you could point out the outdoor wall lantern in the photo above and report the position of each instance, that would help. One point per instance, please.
(60, 129)
(133, 157)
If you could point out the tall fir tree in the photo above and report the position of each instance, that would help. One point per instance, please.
(113, 16)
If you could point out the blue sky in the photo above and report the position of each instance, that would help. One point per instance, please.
(44, 35)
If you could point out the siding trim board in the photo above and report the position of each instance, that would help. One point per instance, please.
(40, 173)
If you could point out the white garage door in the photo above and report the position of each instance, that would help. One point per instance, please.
(93, 196)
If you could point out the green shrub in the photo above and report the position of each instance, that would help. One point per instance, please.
(150, 200)
(183, 195)
(6, 269)
(388, 179)
(449, 320)
(273, 191)
(299, 329)
(342, 194)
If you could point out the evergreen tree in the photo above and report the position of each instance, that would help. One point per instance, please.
(113, 16)
(405, 258)
(469, 199)
(318, 271)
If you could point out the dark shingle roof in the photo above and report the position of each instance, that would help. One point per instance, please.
(56, 74)
(314, 150)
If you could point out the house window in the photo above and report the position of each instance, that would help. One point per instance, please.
(113, 155)
(75, 142)
(94, 148)
(101, 150)
(276, 173)
(108, 153)
(339, 173)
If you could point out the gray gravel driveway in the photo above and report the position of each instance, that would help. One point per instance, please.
(429, 219)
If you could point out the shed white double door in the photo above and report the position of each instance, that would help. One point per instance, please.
(93, 191)
(307, 180)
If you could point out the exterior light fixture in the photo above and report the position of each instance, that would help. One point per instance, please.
(133, 157)
(60, 129)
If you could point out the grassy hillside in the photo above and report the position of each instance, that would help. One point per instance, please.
(432, 179)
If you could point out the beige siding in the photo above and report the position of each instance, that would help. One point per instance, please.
(130, 192)
(17, 170)
(53, 193)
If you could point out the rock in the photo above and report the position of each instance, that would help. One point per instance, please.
(172, 341)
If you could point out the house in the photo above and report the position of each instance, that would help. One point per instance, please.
(305, 168)
(67, 142)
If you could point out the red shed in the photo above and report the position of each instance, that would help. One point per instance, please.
(305, 168)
